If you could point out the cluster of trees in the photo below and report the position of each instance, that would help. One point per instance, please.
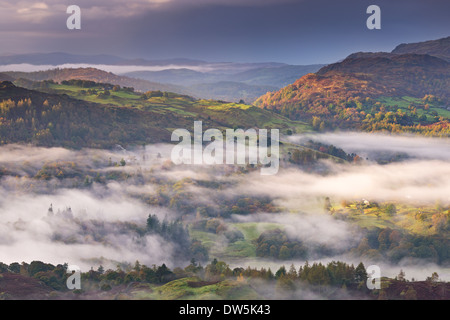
(86, 84)
(162, 94)
(317, 277)
(179, 197)
(336, 274)
(170, 230)
(176, 232)
(218, 226)
(276, 244)
(338, 102)
(316, 151)
(394, 245)
(332, 150)
(56, 276)
(50, 120)
(34, 85)
(237, 205)
(305, 157)
(377, 244)
(368, 115)
(91, 85)
(59, 170)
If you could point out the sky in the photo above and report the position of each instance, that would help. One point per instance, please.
(288, 31)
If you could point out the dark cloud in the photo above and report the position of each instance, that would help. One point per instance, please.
(299, 32)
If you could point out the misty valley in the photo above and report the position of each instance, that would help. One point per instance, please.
(182, 179)
(141, 227)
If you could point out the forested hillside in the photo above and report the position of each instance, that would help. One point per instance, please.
(371, 92)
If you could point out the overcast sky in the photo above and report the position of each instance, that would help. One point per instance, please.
(290, 31)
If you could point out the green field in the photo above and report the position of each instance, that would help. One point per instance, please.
(240, 249)
(182, 289)
(417, 220)
(229, 115)
(404, 102)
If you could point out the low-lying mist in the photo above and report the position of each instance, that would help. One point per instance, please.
(371, 145)
(28, 232)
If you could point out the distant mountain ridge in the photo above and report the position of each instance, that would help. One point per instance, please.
(407, 74)
(247, 85)
(439, 48)
(96, 75)
(5, 77)
(197, 78)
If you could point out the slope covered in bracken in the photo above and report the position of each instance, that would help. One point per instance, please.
(370, 91)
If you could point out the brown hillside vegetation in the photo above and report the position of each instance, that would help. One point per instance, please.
(17, 286)
(352, 93)
(409, 74)
(419, 290)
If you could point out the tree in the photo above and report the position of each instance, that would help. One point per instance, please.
(434, 278)
(14, 267)
(153, 224)
(316, 122)
(401, 276)
(163, 273)
(360, 273)
(100, 269)
(273, 251)
(383, 239)
(322, 126)
(440, 222)
(390, 209)
(3, 267)
(39, 266)
(292, 272)
(285, 253)
(280, 272)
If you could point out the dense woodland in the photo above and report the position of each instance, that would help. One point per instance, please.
(49, 120)
(335, 280)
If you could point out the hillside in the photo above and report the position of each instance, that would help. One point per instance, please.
(225, 90)
(408, 74)
(5, 77)
(29, 116)
(229, 85)
(372, 92)
(275, 76)
(87, 114)
(230, 90)
(439, 48)
(92, 74)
